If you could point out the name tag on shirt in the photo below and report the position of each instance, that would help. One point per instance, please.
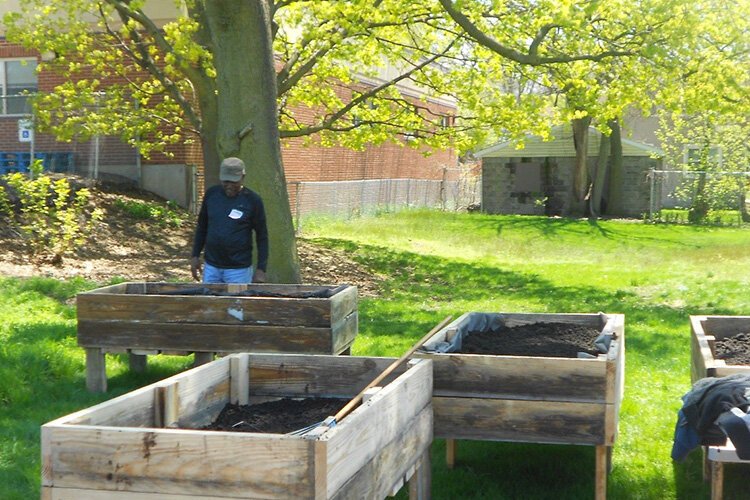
(235, 214)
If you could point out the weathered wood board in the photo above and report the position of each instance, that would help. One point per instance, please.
(528, 398)
(705, 330)
(144, 444)
(142, 318)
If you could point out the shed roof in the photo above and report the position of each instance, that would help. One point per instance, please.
(562, 146)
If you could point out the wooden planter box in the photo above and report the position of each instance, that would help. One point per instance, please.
(705, 331)
(134, 318)
(531, 399)
(141, 445)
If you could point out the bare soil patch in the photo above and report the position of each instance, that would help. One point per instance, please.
(133, 249)
(279, 417)
(537, 339)
(734, 350)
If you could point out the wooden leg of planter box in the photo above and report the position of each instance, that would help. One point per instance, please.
(96, 370)
(450, 453)
(706, 464)
(420, 484)
(138, 362)
(600, 473)
(201, 358)
(717, 480)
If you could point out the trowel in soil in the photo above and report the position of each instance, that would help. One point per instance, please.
(332, 420)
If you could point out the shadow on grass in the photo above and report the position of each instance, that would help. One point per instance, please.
(561, 226)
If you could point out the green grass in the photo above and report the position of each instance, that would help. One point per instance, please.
(657, 275)
(435, 264)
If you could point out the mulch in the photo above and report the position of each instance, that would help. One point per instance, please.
(277, 417)
(734, 350)
(537, 339)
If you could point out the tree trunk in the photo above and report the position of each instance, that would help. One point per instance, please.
(699, 209)
(742, 186)
(600, 175)
(247, 123)
(615, 200)
(581, 142)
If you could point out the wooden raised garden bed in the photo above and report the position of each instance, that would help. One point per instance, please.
(180, 318)
(534, 399)
(706, 332)
(147, 444)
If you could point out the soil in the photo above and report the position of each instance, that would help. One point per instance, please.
(537, 339)
(125, 247)
(277, 417)
(734, 350)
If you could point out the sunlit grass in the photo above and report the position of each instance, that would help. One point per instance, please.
(657, 275)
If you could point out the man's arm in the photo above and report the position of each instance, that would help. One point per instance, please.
(261, 239)
(199, 241)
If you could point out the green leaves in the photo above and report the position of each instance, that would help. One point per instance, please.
(53, 219)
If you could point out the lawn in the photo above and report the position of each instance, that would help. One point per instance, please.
(435, 264)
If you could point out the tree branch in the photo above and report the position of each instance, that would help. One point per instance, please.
(328, 122)
(145, 60)
(531, 58)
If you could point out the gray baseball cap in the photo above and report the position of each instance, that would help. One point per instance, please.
(232, 169)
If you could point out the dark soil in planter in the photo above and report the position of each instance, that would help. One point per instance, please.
(562, 340)
(734, 350)
(276, 417)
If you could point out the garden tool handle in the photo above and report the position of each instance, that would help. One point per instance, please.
(351, 404)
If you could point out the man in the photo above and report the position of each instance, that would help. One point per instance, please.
(230, 213)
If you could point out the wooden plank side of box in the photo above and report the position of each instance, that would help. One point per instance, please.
(204, 309)
(725, 326)
(389, 468)
(204, 337)
(343, 303)
(180, 462)
(292, 375)
(200, 393)
(519, 377)
(49, 493)
(522, 421)
(519, 319)
(360, 436)
(701, 356)
(344, 332)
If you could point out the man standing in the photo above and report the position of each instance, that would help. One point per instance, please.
(230, 213)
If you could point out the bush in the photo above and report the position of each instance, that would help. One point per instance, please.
(53, 219)
(164, 215)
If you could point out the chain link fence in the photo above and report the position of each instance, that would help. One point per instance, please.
(348, 199)
(722, 196)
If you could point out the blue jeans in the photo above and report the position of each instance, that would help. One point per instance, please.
(213, 274)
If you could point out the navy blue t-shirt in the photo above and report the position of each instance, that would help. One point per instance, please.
(225, 227)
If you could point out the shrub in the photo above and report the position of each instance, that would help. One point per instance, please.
(164, 215)
(53, 219)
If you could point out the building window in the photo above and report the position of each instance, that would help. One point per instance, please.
(693, 153)
(446, 121)
(18, 79)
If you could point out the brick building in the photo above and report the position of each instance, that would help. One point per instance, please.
(178, 177)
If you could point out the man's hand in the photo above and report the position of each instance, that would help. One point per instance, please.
(196, 268)
(259, 276)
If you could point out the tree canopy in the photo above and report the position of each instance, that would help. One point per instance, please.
(239, 76)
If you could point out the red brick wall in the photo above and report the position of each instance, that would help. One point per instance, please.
(301, 163)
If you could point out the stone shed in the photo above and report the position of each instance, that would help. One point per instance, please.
(538, 179)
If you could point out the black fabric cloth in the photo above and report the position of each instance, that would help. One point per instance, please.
(736, 425)
(225, 228)
(709, 399)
